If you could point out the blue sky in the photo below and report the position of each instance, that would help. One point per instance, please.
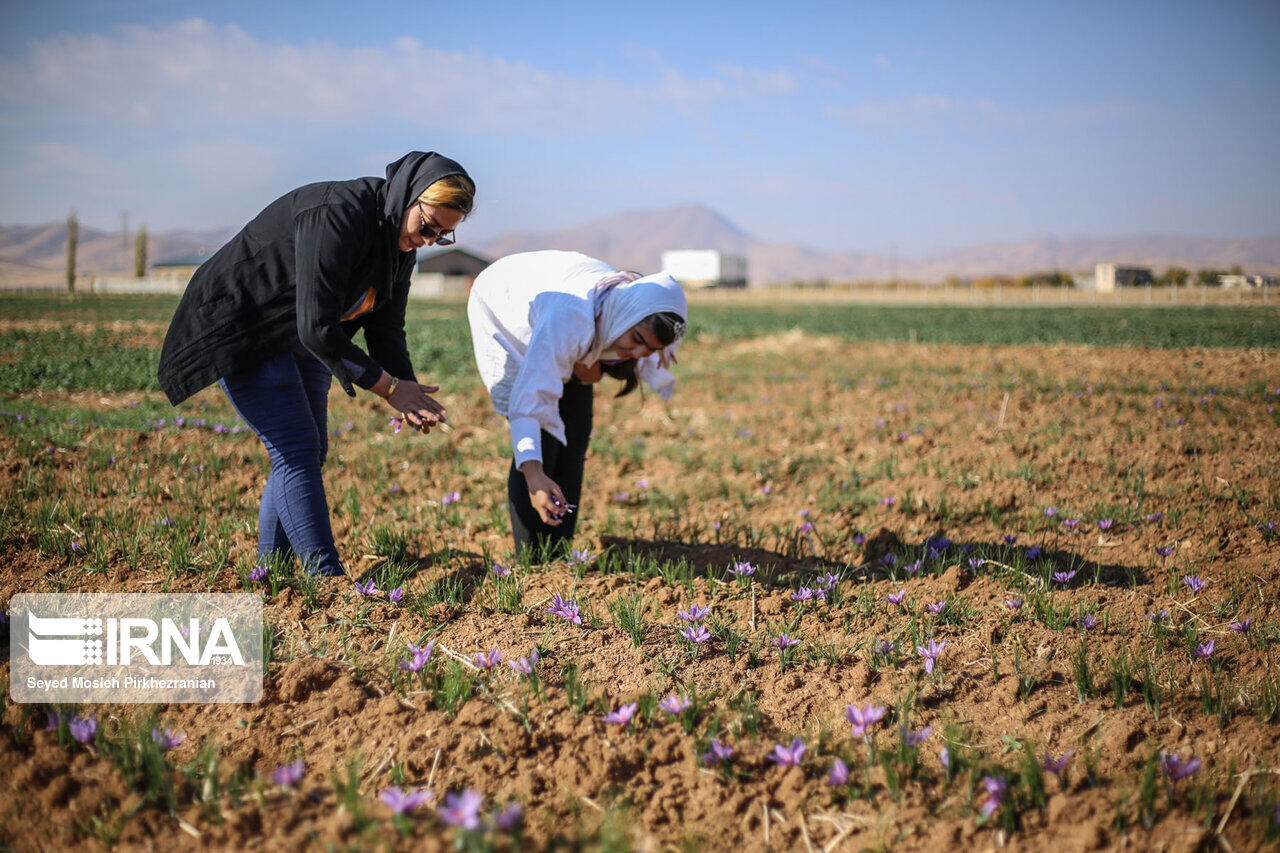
(857, 126)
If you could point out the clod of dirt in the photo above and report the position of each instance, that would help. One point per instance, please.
(956, 578)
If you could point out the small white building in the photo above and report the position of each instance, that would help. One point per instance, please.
(698, 268)
(1107, 277)
(445, 271)
(1246, 282)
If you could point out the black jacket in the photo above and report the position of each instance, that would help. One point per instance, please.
(288, 277)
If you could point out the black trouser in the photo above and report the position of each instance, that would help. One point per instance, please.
(563, 463)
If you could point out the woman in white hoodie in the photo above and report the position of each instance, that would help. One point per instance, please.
(545, 327)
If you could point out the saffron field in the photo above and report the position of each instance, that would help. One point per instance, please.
(877, 578)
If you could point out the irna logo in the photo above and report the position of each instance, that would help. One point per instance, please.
(68, 641)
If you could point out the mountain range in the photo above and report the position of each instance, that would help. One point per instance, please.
(636, 239)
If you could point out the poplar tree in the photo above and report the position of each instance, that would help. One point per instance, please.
(140, 252)
(73, 237)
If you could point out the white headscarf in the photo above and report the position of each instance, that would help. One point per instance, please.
(626, 303)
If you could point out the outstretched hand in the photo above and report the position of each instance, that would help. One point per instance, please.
(415, 405)
(547, 499)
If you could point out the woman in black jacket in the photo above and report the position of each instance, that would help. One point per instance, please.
(271, 316)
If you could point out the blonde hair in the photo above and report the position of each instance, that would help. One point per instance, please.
(455, 191)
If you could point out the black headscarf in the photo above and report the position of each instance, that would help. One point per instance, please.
(409, 176)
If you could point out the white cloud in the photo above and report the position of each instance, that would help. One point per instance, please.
(923, 112)
(932, 111)
(882, 62)
(209, 162)
(195, 73)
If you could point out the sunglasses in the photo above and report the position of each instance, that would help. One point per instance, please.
(441, 238)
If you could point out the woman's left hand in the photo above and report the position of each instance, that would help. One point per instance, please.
(588, 373)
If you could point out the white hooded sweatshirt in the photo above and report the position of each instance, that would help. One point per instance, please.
(535, 314)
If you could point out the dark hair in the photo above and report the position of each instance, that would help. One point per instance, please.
(667, 326)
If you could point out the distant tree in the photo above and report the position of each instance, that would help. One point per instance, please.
(1236, 269)
(1207, 278)
(1174, 277)
(140, 252)
(73, 238)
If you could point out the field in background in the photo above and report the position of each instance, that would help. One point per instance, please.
(1083, 537)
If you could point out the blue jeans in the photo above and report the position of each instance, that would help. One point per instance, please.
(285, 400)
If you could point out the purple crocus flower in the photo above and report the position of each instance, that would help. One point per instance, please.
(782, 642)
(742, 570)
(1070, 523)
(716, 753)
(839, 774)
(936, 607)
(166, 739)
(883, 647)
(1064, 577)
(395, 595)
(1009, 538)
(1164, 550)
(975, 563)
(76, 547)
(1034, 553)
(930, 653)
(1050, 511)
(1013, 603)
(1056, 765)
(397, 423)
(420, 656)
(1177, 769)
(788, 756)
(889, 560)
(509, 818)
(166, 521)
(565, 608)
(863, 718)
(1089, 622)
(675, 705)
(579, 555)
(696, 633)
(912, 568)
(997, 788)
(54, 720)
(1104, 524)
(257, 573)
(403, 802)
(500, 570)
(370, 587)
(896, 598)
(1242, 626)
(84, 728)
(289, 775)
(1194, 582)
(829, 581)
(525, 665)
(1158, 615)
(911, 738)
(462, 810)
(623, 715)
(694, 614)
(488, 660)
(1204, 651)
(450, 498)
(802, 594)
(1155, 516)
(888, 501)
(806, 527)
